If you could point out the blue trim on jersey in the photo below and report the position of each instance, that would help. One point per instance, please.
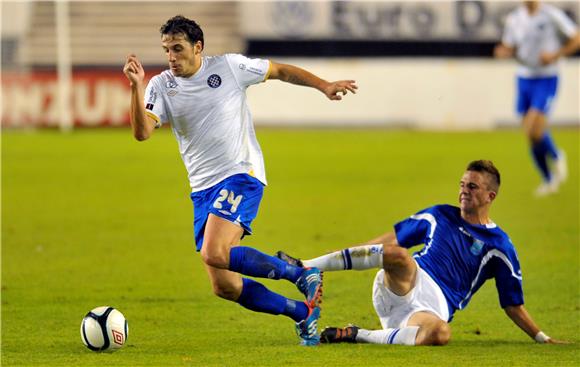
(488, 257)
(460, 256)
(236, 199)
(536, 93)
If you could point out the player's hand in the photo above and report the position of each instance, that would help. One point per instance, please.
(547, 58)
(133, 70)
(502, 52)
(555, 341)
(334, 89)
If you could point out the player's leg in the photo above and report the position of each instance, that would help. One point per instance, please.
(253, 295)
(393, 311)
(542, 145)
(361, 257)
(400, 269)
(534, 123)
(223, 214)
(247, 292)
(410, 319)
(431, 329)
(396, 261)
(218, 251)
(423, 328)
(354, 334)
(218, 237)
(531, 123)
(355, 258)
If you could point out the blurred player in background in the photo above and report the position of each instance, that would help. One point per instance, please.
(533, 35)
(416, 297)
(204, 100)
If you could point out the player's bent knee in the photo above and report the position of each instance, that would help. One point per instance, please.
(226, 292)
(395, 255)
(434, 333)
(217, 259)
(441, 334)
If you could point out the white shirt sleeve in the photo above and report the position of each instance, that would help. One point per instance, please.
(248, 71)
(154, 106)
(509, 37)
(563, 23)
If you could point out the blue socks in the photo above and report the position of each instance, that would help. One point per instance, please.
(251, 262)
(258, 298)
(550, 147)
(540, 150)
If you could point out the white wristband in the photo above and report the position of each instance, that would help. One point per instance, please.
(541, 337)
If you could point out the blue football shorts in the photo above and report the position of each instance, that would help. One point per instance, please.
(536, 93)
(235, 199)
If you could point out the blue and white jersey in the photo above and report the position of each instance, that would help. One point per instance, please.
(210, 117)
(533, 34)
(460, 256)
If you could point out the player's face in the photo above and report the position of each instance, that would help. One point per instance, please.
(531, 4)
(474, 191)
(183, 57)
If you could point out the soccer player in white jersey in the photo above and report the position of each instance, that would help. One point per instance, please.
(204, 100)
(416, 296)
(533, 35)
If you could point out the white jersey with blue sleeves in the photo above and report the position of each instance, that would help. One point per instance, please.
(210, 118)
(460, 256)
(533, 34)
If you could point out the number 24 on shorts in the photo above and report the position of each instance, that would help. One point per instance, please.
(232, 199)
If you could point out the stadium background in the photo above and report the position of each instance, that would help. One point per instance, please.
(419, 64)
(91, 217)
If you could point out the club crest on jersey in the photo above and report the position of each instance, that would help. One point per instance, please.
(214, 81)
(476, 247)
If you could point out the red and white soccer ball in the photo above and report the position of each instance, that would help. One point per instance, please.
(104, 329)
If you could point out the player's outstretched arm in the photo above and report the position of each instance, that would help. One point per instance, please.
(520, 316)
(502, 51)
(141, 124)
(295, 75)
(569, 48)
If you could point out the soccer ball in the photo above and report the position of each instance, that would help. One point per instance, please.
(104, 329)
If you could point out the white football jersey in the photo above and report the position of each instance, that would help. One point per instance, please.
(544, 31)
(210, 118)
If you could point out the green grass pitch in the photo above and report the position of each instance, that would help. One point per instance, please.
(94, 218)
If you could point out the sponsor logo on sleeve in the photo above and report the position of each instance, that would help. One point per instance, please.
(152, 96)
(254, 70)
(149, 106)
(251, 69)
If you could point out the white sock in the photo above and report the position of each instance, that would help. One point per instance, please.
(357, 258)
(402, 336)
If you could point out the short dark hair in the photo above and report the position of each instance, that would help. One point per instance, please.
(486, 166)
(180, 24)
